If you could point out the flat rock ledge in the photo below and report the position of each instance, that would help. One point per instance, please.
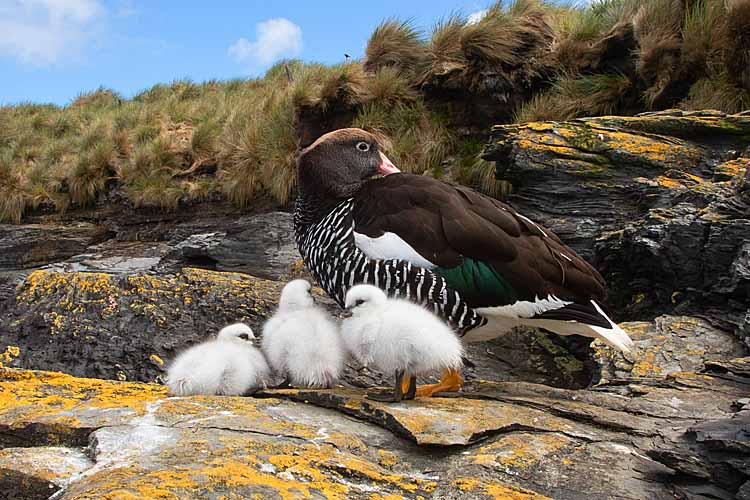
(663, 426)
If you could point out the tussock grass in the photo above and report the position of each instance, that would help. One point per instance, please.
(734, 43)
(577, 96)
(507, 36)
(397, 45)
(389, 86)
(183, 142)
(719, 92)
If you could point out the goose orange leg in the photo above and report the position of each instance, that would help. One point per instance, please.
(450, 382)
(409, 386)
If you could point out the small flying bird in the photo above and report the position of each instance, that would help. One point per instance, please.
(228, 365)
(301, 342)
(476, 262)
(397, 336)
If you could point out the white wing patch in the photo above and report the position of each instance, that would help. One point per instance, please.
(524, 308)
(390, 246)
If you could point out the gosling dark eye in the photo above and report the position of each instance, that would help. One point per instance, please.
(363, 146)
(244, 336)
(359, 302)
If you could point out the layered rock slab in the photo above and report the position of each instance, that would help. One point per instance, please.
(143, 444)
(677, 430)
(657, 202)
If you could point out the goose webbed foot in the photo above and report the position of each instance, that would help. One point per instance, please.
(451, 382)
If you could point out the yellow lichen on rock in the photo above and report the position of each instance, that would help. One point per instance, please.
(27, 396)
(11, 352)
(246, 464)
(496, 490)
(156, 359)
(520, 451)
(449, 421)
(43, 282)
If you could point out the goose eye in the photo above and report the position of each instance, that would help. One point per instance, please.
(244, 336)
(359, 302)
(363, 146)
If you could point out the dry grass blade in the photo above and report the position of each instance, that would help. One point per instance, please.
(396, 44)
(735, 42)
(717, 92)
(345, 87)
(577, 96)
(444, 51)
(701, 30)
(390, 87)
(493, 39)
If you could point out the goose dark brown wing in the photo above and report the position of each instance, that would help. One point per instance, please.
(490, 253)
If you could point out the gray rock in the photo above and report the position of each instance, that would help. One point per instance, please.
(671, 231)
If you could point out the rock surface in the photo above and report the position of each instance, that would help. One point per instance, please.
(672, 430)
(656, 202)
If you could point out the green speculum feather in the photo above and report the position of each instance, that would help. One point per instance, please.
(478, 283)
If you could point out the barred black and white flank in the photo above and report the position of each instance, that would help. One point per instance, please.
(329, 251)
(472, 260)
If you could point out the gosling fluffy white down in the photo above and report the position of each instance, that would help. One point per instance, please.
(397, 336)
(301, 342)
(228, 365)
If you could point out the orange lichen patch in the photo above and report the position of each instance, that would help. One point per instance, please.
(27, 396)
(499, 491)
(266, 415)
(732, 169)
(645, 366)
(637, 330)
(539, 126)
(448, 421)
(649, 148)
(180, 482)
(11, 352)
(466, 483)
(549, 143)
(317, 463)
(387, 458)
(437, 421)
(245, 466)
(668, 183)
(79, 296)
(519, 451)
(41, 283)
(495, 490)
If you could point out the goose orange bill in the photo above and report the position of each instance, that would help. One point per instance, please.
(386, 166)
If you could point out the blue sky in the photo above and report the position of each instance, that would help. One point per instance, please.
(51, 50)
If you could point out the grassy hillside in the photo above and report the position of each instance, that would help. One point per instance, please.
(429, 96)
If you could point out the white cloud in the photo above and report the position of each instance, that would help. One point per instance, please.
(477, 16)
(44, 32)
(276, 38)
